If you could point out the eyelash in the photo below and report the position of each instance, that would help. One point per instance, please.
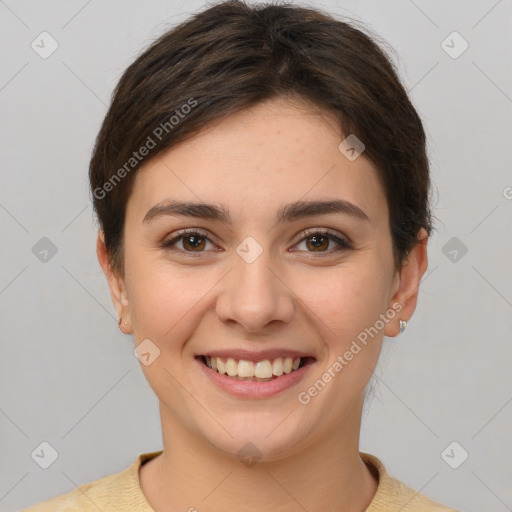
(344, 244)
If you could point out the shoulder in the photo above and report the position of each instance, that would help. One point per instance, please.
(93, 496)
(393, 495)
(117, 492)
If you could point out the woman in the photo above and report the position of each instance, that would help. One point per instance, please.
(262, 188)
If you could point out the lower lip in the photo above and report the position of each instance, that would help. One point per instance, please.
(254, 389)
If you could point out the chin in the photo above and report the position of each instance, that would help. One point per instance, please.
(257, 436)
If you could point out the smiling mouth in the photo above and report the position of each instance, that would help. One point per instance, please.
(262, 371)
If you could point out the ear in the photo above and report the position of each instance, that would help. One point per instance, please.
(116, 284)
(408, 282)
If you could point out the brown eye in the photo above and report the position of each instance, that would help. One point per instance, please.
(319, 240)
(191, 242)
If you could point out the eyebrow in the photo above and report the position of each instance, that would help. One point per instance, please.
(287, 213)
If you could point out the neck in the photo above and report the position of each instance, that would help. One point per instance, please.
(191, 474)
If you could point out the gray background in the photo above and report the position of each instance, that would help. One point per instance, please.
(68, 375)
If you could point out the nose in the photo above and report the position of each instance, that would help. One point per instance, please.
(254, 295)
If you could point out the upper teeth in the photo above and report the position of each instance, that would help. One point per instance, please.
(260, 369)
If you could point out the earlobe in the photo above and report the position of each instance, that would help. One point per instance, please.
(409, 279)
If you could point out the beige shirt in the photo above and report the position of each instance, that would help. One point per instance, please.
(121, 492)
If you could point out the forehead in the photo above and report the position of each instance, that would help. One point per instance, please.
(258, 159)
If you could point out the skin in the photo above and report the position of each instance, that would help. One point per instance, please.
(309, 299)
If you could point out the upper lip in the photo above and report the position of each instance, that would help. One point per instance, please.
(250, 355)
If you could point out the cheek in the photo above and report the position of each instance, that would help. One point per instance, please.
(344, 300)
(165, 300)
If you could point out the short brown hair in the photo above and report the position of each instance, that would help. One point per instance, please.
(232, 56)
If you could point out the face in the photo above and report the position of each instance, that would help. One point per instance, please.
(261, 280)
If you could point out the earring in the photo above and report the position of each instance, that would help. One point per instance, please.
(403, 325)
